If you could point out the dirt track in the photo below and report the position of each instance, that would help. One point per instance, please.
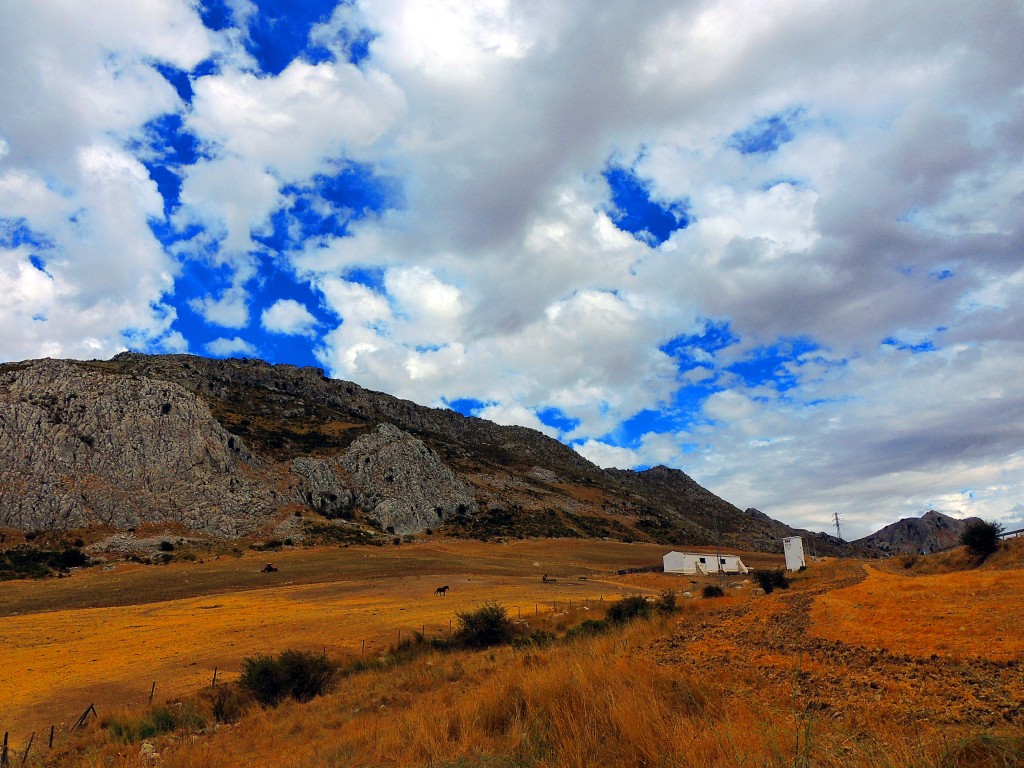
(766, 647)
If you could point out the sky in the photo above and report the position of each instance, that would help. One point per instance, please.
(778, 245)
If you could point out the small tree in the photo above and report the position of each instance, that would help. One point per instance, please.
(299, 674)
(769, 580)
(981, 537)
(629, 608)
(486, 626)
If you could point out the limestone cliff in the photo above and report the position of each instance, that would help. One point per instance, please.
(231, 446)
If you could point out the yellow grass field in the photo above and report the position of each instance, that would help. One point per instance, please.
(856, 665)
(119, 631)
(976, 614)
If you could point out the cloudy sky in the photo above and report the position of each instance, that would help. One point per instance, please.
(779, 245)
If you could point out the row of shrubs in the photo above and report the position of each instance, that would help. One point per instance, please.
(303, 675)
(28, 562)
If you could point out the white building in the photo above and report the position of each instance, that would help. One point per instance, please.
(794, 549)
(702, 562)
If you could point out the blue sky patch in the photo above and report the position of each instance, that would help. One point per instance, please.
(716, 336)
(554, 417)
(467, 406)
(178, 78)
(906, 346)
(166, 147)
(216, 14)
(279, 32)
(326, 205)
(766, 134)
(15, 232)
(634, 210)
(371, 277)
(767, 365)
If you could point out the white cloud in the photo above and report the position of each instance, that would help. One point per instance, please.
(515, 415)
(291, 124)
(231, 310)
(289, 317)
(224, 347)
(501, 277)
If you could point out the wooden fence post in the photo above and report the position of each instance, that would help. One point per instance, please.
(51, 737)
(214, 683)
(3, 753)
(362, 647)
(30, 740)
(152, 690)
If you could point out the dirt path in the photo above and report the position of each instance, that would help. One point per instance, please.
(767, 648)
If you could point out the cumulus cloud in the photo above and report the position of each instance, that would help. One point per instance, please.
(230, 310)
(837, 328)
(289, 317)
(224, 347)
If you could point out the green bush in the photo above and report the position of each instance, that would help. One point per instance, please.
(588, 628)
(628, 608)
(539, 638)
(769, 580)
(128, 729)
(300, 675)
(981, 537)
(229, 703)
(666, 602)
(711, 591)
(486, 626)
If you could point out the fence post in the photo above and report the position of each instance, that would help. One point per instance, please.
(3, 753)
(152, 690)
(51, 737)
(30, 740)
(214, 683)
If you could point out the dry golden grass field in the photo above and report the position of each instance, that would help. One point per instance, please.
(855, 665)
(105, 636)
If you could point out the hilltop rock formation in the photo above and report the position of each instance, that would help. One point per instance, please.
(231, 447)
(931, 532)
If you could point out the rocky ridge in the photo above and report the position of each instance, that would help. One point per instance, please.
(232, 447)
(932, 532)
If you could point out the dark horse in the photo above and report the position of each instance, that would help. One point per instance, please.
(442, 591)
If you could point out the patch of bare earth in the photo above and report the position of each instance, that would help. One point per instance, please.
(817, 649)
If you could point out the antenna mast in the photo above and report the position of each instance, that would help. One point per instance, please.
(839, 533)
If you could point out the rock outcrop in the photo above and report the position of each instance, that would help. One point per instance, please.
(932, 532)
(234, 446)
(81, 448)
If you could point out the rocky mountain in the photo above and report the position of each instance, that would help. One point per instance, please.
(238, 447)
(931, 532)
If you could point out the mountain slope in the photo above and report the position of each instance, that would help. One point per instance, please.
(231, 447)
(931, 532)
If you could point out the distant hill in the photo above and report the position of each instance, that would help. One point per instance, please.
(238, 447)
(932, 532)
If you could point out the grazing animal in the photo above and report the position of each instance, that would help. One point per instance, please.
(442, 591)
(269, 568)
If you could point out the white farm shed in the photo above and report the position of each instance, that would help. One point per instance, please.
(702, 562)
(793, 547)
